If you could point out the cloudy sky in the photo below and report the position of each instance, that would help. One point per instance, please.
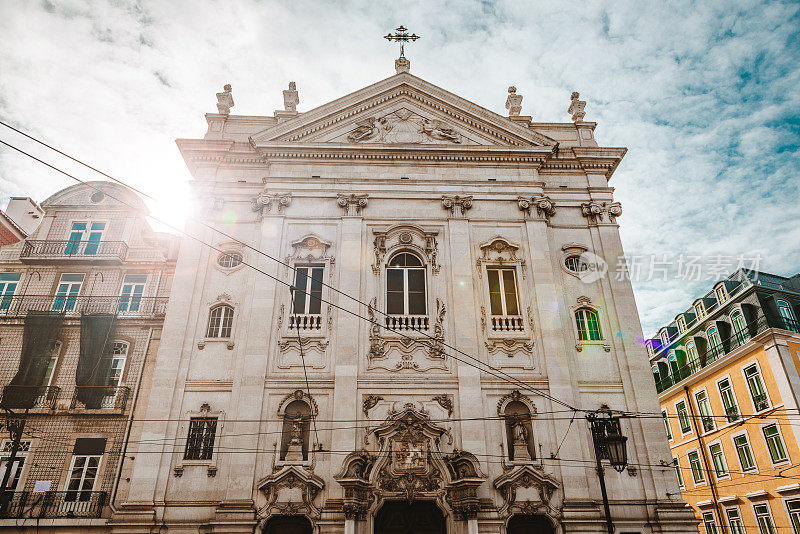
(704, 94)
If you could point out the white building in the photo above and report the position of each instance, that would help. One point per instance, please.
(456, 232)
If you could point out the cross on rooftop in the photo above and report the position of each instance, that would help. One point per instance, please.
(401, 37)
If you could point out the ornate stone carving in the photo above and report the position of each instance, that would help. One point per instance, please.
(403, 126)
(352, 204)
(499, 251)
(545, 208)
(510, 484)
(354, 478)
(405, 236)
(509, 347)
(291, 98)
(513, 102)
(402, 64)
(225, 100)
(597, 211)
(301, 395)
(309, 248)
(515, 396)
(281, 489)
(445, 402)
(465, 478)
(576, 107)
(265, 201)
(457, 205)
(369, 402)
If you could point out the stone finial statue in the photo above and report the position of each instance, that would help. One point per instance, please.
(225, 100)
(402, 64)
(513, 102)
(576, 107)
(291, 98)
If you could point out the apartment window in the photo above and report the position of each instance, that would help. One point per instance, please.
(84, 467)
(681, 324)
(678, 472)
(673, 364)
(718, 460)
(666, 424)
(683, 417)
(764, 519)
(744, 452)
(704, 407)
(777, 450)
(588, 325)
(502, 291)
(785, 312)
(721, 295)
(92, 233)
(740, 327)
(728, 400)
(756, 387)
(8, 285)
(697, 470)
(709, 523)
(691, 355)
(793, 507)
(19, 462)
(699, 310)
(735, 521)
(69, 286)
(229, 260)
(664, 338)
(714, 341)
(220, 322)
(308, 293)
(131, 295)
(200, 441)
(405, 285)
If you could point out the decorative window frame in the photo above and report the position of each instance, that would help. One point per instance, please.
(678, 418)
(682, 481)
(405, 237)
(702, 469)
(571, 249)
(230, 342)
(504, 401)
(311, 249)
(59, 483)
(696, 392)
(584, 302)
(763, 383)
(665, 417)
(755, 469)
(297, 395)
(179, 462)
(500, 253)
(699, 309)
(725, 295)
(777, 424)
(432, 308)
(26, 466)
(229, 247)
(718, 441)
(722, 401)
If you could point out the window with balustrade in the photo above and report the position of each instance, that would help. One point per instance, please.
(306, 313)
(704, 407)
(755, 385)
(505, 315)
(406, 293)
(739, 327)
(787, 315)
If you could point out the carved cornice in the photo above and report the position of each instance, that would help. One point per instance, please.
(457, 205)
(352, 204)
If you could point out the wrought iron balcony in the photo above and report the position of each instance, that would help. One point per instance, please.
(732, 414)
(306, 322)
(131, 306)
(52, 504)
(761, 402)
(708, 424)
(100, 397)
(407, 322)
(19, 396)
(35, 250)
(507, 323)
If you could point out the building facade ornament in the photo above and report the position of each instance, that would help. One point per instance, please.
(457, 205)
(369, 402)
(352, 204)
(576, 107)
(405, 236)
(544, 206)
(403, 126)
(291, 98)
(225, 100)
(281, 489)
(597, 212)
(265, 202)
(513, 102)
(445, 402)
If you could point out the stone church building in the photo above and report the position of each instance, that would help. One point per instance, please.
(391, 329)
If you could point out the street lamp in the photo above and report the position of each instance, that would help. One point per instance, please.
(609, 444)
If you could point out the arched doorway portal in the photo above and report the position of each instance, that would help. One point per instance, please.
(288, 524)
(530, 524)
(401, 517)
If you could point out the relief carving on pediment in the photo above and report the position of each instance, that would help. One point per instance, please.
(403, 126)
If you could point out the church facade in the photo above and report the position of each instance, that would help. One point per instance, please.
(384, 325)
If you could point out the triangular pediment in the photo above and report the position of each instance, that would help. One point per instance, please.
(400, 110)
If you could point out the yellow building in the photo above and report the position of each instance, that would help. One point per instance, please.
(726, 372)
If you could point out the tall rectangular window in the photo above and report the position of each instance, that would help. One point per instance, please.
(308, 295)
(678, 472)
(86, 235)
(502, 292)
(683, 417)
(200, 441)
(756, 387)
(69, 286)
(744, 452)
(220, 322)
(728, 400)
(588, 325)
(666, 424)
(704, 407)
(735, 521)
(697, 469)
(777, 450)
(8, 286)
(131, 295)
(709, 523)
(764, 519)
(793, 507)
(83, 472)
(718, 459)
(19, 461)
(405, 285)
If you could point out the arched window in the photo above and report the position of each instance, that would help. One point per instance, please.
(405, 285)
(295, 433)
(673, 364)
(785, 311)
(740, 327)
(691, 354)
(220, 322)
(588, 325)
(519, 432)
(714, 342)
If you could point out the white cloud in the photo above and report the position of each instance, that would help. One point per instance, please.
(703, 94)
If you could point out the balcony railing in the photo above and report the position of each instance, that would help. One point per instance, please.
(130, 306)
(407, 322)
(100, 397)
(732, 414)
(306, 322)
(708, 424)
(715, 352)
(16, 396)
(507, 323)
(53, 250)
(761, 402)
(52, 504)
